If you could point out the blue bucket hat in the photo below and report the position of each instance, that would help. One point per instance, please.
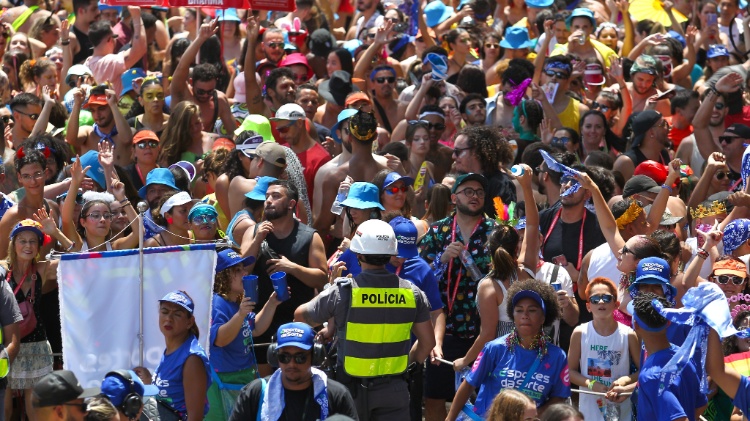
(436, 13)
(653, 271)
(116, 387)
(343, 115)
(581, 13)
(156, 176)
(394, 177)
(406, 237)
(539, 4)
(96, 172)
(127, 78)
(103, 6)
(363, 196)
(228, 15)
(261, 186)
(516, 39)
(228, 258)
(295, 334)
(181, 299)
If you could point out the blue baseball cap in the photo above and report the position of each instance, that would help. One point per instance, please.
(352, 45)
(363, 196)
(653, 271)
(28, 225)
(581, 13)
(228, 258)
(527, 293)
(406, 237)
(343, 115)
(676, 35)
(228, 15)
(717, 50)
(539, 4)
(394, 177)
(261, 186)
(295, 334)
(516, 39)
(156, 176)
(116, 387)
(103, 6)
(181, 299)
(96, 172)
(127, 78)
(436, 13)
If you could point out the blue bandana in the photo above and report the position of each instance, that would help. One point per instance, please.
(736, 233)
(745, 169)
(559, 65)
(439, 66)
(565, 170)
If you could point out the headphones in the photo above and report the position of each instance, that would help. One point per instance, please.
(318, 354)
(132, 402)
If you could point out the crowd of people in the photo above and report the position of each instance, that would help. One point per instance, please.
(369, 171)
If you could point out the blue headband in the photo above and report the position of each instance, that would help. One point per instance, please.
(380, 69)
(559, 65)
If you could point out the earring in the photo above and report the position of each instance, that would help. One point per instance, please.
(170, 220)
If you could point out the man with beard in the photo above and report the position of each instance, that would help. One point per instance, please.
(549, 181)
(283, 244)
(280, 86)
(473, 109)
(642, 84)
(307, 98)
(267, 159)
(370, 16)
(688, 151)
(650, 142)
(296, 354)
(109, 124)
(59, 396)
(479, 149)
(273, 46)
(389, 110)
(356, 130)
(159, 182)
(466, 229)
(213, 103)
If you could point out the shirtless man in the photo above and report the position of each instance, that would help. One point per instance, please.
(499, 110)
(87, 12)
(22, 17)
(356, 161)
(266, 159)
(202, 87)
(109, 124)
(26, 109)
(642, 86)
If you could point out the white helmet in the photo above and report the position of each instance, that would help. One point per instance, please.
(374, 237)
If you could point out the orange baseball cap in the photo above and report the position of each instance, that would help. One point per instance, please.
(356, 96)
(100, 99)
(142, 135)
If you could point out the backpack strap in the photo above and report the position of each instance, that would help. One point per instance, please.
(262, 397)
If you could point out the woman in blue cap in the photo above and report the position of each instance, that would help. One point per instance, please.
(524, 359)
(233, 324)
(397, 196)
(183, 374)
(204, 221)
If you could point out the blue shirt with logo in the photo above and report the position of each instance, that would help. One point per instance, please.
(419, 273)
(497, 368)
(237, 355)
(168, 375)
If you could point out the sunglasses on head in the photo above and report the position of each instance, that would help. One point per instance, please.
(147, 144)
(559, 75)
(395, 189)
(724, 279)
(205, 219)
(300, 358)
(388, 79)
(601, 298)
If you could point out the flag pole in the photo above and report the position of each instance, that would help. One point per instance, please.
(142, 208)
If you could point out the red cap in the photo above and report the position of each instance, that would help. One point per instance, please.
(654, 170)
(100, 99)
(297, 58)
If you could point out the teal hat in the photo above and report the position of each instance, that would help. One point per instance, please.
(363, 196)
(228, 15)
(436, 13)
(343, 115)
(516, 39)
(582, 13)
(261, 186)
(156, 176)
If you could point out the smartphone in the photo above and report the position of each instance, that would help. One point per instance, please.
(712, 19)
(556, 286)
(560, 260)
(668, 94)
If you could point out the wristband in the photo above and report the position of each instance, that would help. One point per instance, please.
(124, 202)
(591, 384)
(664, 186)
(703, 254)
(715, 91)
(63, 43)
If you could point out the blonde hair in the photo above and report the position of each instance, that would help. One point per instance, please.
(100, 408)
(176, 137)
(509, 405)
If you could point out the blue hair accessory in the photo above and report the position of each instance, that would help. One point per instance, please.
(555, 166)
(380, 69)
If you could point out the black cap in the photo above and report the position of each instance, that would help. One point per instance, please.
(639, 184)
(463, 178)
(59, 387)
(740, 130)
(642, 122)
(337, 88)
(322, 42)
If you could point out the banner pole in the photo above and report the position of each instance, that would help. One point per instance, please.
(142, 208)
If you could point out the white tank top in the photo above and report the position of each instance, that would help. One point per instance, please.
(604, 263)
(505, 323)
(604, 359)
(85, 246)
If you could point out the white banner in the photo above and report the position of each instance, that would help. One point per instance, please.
(100, 305)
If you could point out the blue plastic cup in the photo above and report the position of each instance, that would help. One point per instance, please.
(250, 284)
(279, 285)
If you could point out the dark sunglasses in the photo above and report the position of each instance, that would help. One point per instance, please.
(724, 279)
(371, 36)
(720, 105)
(147, 143)
(31, 116)
(727, 139)
(598, 106)
(300, 358)
(203, 92)
(436, 126)
(6, 119)
(394, 190)
(561, 140)
(382, 80)
(626, 250)
(721, 174)
(275, 45)
(601, 298)
(559, 75)
(83, 406)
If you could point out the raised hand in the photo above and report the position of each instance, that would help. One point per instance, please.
(76, 172)
(106, 157)
(207, 30)
(252, 28)
(111, 97)
(585, 181)
(49, 226)
(547, 131)
(46, 94)
(615, 70)
(691, 34)
(382, 36)
(729, 83)
(623, 6)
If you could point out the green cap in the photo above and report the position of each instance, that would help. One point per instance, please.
(644, 64)
(258, 124)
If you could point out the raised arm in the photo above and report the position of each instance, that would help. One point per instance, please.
(690, 278)
(539, 60)
(607, 221)
(629, 41)
(67, 48)
(615, 70)
(138, 43)
(412, 111)
(660, 203)
(549, 112)
(41, 123)
(382, 37)
(179, 85)
(255, 102)
(700, 192)
(124, 136)
(68, 210)
(49, 227)
(530, 242)
(683, 70)
(72, 135)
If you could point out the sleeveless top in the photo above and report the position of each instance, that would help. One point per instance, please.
(168, 375)
(604, 263)
(85, 246)
(233, 223)
(637, 156)
(39, 333)
(505, 322)
(604, 359)
(570, 116)
(87, 49)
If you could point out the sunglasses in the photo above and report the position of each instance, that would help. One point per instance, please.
(567, 180)
(727, 139)
(598, 106)
(720, 105)
(601, 298)
(147, 144)
(436, 126)
(285, 128)
(460, 151)
(724, 279)
(205, 219)
(275, 45)
(31, 116)
(560, 140)
(83, 406)
(382, 80)
(491, 46)
(203, 92)
(721, 174)
(559, 75)
(626, 250)
(300, 358)
(6, 119)
(371, 36)
(395, 190)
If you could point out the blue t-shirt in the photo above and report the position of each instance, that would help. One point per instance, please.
(742, 397)
(352, 264)
(168, 375)
(418, 272)
(237, 355)
(678, 400)
(497, 368)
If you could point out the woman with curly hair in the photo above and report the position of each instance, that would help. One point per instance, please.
(512, 405)
(504, 362)
(35, 74)
(182, 139)
(233, 323)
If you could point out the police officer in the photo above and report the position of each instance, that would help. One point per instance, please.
(375, 313)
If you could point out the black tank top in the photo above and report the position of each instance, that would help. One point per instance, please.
(637, 156)
(86, 48)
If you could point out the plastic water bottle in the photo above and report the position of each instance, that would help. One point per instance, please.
(470, 266)
(611, 412)
(340, 197)
(517, 170)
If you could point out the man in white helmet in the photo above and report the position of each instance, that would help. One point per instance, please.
(375, 313)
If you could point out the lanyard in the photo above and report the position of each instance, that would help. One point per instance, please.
(451, 299)
(580, 237)
(140, 174)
